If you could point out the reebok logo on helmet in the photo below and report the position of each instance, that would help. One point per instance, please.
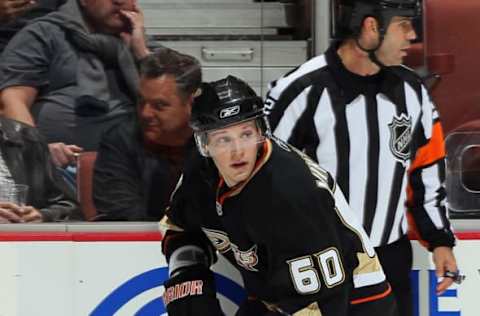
(228, 112)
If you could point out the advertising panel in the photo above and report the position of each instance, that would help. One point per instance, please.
(120, 277)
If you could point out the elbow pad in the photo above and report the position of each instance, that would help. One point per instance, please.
(186, 256)
(175, 240)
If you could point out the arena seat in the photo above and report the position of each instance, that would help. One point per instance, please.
(85, 163)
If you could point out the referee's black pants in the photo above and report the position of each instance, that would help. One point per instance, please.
(396, 259)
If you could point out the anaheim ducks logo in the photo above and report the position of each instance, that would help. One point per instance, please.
(219, 239)
(247, 259)
(400, 137)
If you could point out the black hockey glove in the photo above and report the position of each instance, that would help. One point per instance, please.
(192, 292)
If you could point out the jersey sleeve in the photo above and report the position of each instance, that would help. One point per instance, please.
(426, 191)
(371, 292)
(292, 100)
(180, 235)
(193, 193)
(285, 111)
(182, 220)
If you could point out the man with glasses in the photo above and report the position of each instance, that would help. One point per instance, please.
(370, 122)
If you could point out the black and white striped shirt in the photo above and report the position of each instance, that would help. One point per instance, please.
(379, 136)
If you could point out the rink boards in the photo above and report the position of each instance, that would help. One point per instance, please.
(74, 270)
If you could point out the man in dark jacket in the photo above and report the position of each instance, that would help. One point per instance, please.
(25, 159)
(139, 163)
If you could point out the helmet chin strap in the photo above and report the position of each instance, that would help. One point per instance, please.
(371, 52)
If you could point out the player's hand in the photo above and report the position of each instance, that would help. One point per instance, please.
(10, 213)
(11, 9)
(444, 261)
(63, 155)
(136, 38)
(31, 215)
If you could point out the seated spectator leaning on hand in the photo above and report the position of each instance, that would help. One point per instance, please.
(72, 74)
(138, 164)
(24, 159)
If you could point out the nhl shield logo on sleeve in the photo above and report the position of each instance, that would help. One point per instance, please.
(400, 137)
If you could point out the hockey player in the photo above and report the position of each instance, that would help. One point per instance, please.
(370, 122)
(273, 213)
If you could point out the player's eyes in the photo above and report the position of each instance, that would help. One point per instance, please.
(222, 141)
(247, 135)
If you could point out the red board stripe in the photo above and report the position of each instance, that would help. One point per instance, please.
(473, 235)
(35, 236)
(468, 235)
(80, 236)
(118, 236)
(124, 236)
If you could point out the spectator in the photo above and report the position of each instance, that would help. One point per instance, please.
(138, 164)
(24, 159)
(14, 15)
(71, 73)
(371, 123)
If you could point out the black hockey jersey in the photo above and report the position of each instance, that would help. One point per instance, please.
(287, 229)
(379, 136)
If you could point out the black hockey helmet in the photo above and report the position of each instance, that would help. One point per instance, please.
(222, 103)
(349, 14)
(225, 102)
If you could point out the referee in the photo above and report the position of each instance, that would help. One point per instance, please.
(370, 122)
